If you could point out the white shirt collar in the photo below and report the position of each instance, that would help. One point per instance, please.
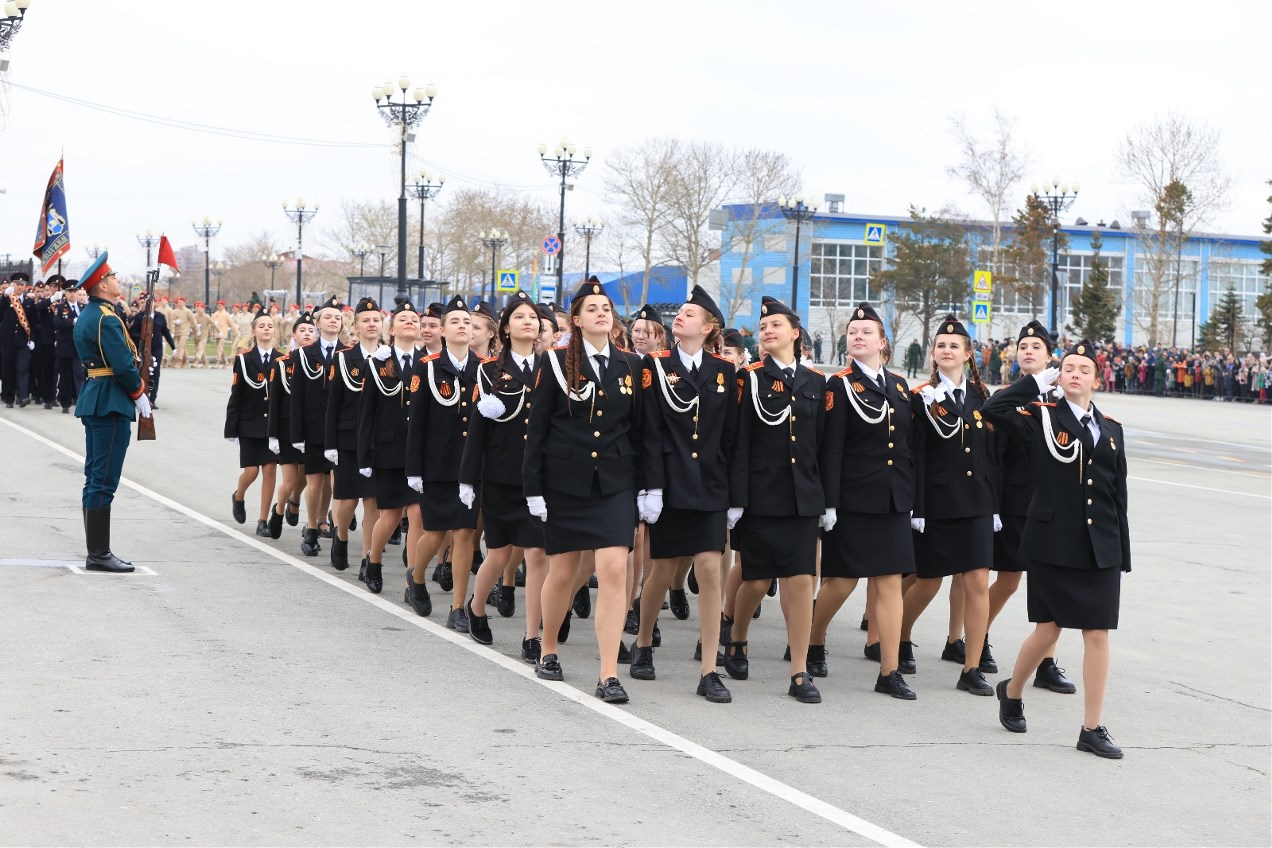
(1078, 411)
(690, 361)
(521, 361)
(780, 364)
(868, 371)
(366, 354)
(950, 386)
(401, 352)
(591, 351)
(460, 364)
(264, 352)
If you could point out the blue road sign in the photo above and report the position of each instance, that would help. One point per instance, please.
(551, 245)
(508, 281)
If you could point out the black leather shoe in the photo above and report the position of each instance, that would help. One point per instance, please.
(339, 554)
(445, 578)
(324, 527)
(479, 627)
(906, 662)
(457, 621)
(611, 691)
(1098, 741)
(239, 509)
(1051, 676)
(955, 652)
(582, 602)
(353, 522)
(988, 665)
(726, 630)
(309, 542)
(292, 513)
(417, 596)
(973, 681)
(657, 639)
(624, 654)
(531, 649)
(817, 661)
(275, 523)
(549, 668)
(1011, 711)
(772, 589)
(107, 562)
(362, 571)
(713, 689)
(519, 576)
(632, 625)
(396, 538)
(873, 652)
(66, 410)
(492, 597)
(736, 665)
(48, 405)
(563, 632)
(697, 654)
(643, 664)
(692, 580)
(592, 584)
(803, 690)
(865, 623)
(894, 684)
(506, 603)
(679, 602)
(478, 559)
(262, 529)
(756, 614)
(375, 577)
(8, 404)
(786, 657)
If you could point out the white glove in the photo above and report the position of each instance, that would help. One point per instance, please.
(8, 292)
(30, 345)
(143, 406)
(467, 495)
(998, 523)
(233, 440)
(1047, 379)
(178, 323)
(56, 297)
(416, 483)
(538, 507)
(932, 394)
(274, 446)
(828, 519)
(491, 406)
(300, 446)
(332, 456)
(365, 472)
(732, 517)
(382, 352)
(918, 524)
(154, 363)
(653, 505)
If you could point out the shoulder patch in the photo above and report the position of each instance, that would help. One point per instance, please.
(559, 347)
(1024, 411)
(754, 366)
(722, 358)
(816, 371)
(660, 354)
(1040, 403)
(845, 372)
(1114, 420)
(433, 356)
(489, 359)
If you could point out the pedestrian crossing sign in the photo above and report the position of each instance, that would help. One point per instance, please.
(875, 233)
(508, 281)
(980, 312)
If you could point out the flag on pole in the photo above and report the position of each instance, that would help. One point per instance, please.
(166, 255)
(53, 234)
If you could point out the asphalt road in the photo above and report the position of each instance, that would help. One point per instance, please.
(243, 694)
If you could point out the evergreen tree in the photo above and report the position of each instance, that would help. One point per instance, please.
(1264, 301)
(1224, 328)
(1028, 253)
(1095, 309)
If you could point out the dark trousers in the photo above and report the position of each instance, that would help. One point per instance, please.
(106, 440)
(15, 372)
(68, 385)
(43, 373)
(152, 384)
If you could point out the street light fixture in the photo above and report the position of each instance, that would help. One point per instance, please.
(493, 240)
(384, 250)
(795, 209)
(95, 251)
(425, 189)
(589, 229)
(272, 262)
(1057, 199)
(562, 163)
(11, 22)
(403, 114)
(147, 241)
(300, 215)
(206, 231)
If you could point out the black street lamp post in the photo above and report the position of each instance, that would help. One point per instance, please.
(562, 163)
(300, 216)
(11, 20)
(95, 250)
(493, 240)
(272, 262)
(795, 209)
(147, 241)
(589, 229)
(1057, 199)
(206, 231)
(403, 114)
(425, 190)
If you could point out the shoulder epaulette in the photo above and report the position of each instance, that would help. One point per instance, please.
(723, 358)
(660, 354)
(845, 372)
(1024, 411)
(489, 359)
(343, 349)
(816, 371)
(754, 366)
(559, 347)
(918, 389)
(1114, 420)
(433, 356)
(1041, 403)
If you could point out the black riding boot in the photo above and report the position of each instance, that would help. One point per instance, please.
(97, 539)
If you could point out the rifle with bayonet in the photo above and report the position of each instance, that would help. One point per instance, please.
(146, 425)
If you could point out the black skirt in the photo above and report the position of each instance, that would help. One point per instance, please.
(441, 508)
(315, 462)
(868, 545)
(776, 546)
(586, 524)
(288, 455)
(1007, 556)
(1077, 598)
(508, 519)
(390, 489)
(955, 545)
(254, 452)
(347, 484)
(685, 532)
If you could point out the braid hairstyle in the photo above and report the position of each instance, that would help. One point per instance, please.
(715, 339)
(574, 349)
(975, 379)
(974, 376)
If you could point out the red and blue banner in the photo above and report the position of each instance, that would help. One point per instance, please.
(53, 235)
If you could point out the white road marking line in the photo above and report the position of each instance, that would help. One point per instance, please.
(1135, 431)
(732, 768)
(1194, 465)
(138, 569)
(1202, 488)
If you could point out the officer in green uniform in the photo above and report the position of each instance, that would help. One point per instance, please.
(113, 394)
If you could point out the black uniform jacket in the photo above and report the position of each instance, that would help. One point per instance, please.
(11, 332)
(309, 394)
(247, 412)
(868, 465)
(685, 447)
(441, 408)
(1087, 494)
(595, 434)
(775, 468)
(495, 449)
(281, 374)
(344, 396)
(42, 322)
(956, 477)
(64, 316)
(384, 413)
(1015, 477)
(158, 333)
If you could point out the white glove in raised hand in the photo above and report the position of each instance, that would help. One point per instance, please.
(828, 519)
(1047, 379)
(733, 515)
(8, 292)
(998, 523)
(538, 507)
(56, 297)
(382, 352)
(332, 456)
(918, 524)
(30, 345)
(365, 472)
(300, 446)
(416, 483)
(467, 495)
(143, 406)
(653, 505)
(491, 406)
(274, 446)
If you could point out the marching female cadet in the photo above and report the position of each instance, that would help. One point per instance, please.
(688, 422)
(870, 465)
(290, 461)
(247, 420)
(492, 460)
(1033, 355)
(382, 434)
(484, 342)
(340, 440)
(1076, 537)
(441, 411)
(777, 492)
(308, 418)
(955, 496)
(581, 476)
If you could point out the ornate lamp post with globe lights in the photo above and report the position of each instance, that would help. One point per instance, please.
(589, 229)
(1057, 199)
(300, 215)
(425, 190)
(562, 163)
(795, 209)
(206, 231)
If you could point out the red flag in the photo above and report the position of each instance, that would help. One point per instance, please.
(166, 256)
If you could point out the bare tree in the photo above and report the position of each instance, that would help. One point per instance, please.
(990, 170)
(704, 174)
(639, 182)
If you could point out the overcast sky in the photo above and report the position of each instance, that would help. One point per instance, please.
(858, 94)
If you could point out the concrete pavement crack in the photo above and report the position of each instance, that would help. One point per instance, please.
(1220, 697)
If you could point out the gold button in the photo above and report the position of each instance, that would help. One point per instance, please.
(1089, 461)
(967, 450)
(889, 444)
(694, 437)
(979, 424)
(892, 409)
(601, 394)
(600, 412)
(266, 414)
(891, 427)
(1088, 501)
(465, 433)
(889, 462)
(1089, 521)
(967, 426)
(525, 421)
(969, 474)
(465, 418)
(792, 460)
(792, 438)
(693, 455)
(464, 403)
(528, 405)
(596, 433)
(695, 419)
(1088, 482)
(593, 454)
(526, 437)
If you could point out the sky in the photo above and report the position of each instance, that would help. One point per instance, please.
(858, 94)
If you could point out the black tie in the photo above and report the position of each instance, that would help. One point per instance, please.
(958, 401)
(265, 358)
(1088, 442)
(600, 366)
(406, 363)
(326, 354)
(790, 374)
(693, 372)
(527, 376)
(879, 380)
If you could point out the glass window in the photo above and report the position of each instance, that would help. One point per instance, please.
(774, 276)
(840, 273)
(775, 243)
(1242, 277)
